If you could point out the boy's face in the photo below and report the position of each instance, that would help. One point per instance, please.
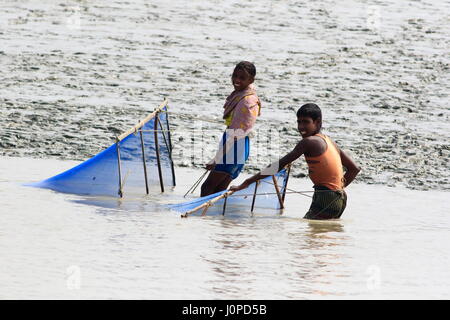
(241, 79)
(307, 126)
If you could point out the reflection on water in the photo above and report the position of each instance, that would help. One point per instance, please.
(235, 264)
(316, 228)
(147, 203)
(315, 256)
(247, 250)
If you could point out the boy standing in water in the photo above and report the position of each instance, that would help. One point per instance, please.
(241, 109)
(325, 161)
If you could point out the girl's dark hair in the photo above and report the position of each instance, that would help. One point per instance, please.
(247, 66)
(311, 110)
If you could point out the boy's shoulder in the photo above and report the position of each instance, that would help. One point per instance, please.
(311, 144)
(312, 140)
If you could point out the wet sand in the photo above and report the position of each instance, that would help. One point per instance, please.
(77, 73)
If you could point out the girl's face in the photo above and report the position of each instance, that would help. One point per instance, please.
(241, 79)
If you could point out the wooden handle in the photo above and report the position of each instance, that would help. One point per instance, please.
(208, 203)
(142, 122)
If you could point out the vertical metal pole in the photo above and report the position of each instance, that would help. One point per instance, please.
(143, 160)
(164, 135)
(170, 144)
(120, 192)
(224, 205)
(168, 148)
(158, 160)
(275, 183)
(286, 182)
(254, 195)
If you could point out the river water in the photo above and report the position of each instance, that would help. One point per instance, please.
(77, 73)
(391, 243)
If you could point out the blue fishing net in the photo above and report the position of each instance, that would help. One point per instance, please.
(123, 167)
(266, 199)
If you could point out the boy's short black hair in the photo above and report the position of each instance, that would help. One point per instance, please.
(247, 66)
(311, 110)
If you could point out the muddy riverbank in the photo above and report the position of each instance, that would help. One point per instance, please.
(74, 74)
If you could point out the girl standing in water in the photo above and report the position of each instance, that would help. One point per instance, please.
(241, 109)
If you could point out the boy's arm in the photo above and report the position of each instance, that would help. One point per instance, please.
(290, 157)
(352, 168)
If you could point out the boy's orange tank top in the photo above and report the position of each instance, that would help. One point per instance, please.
(326, 169)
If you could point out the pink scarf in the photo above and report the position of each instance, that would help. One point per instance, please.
(234, 98)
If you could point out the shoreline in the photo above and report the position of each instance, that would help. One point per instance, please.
(75, 76)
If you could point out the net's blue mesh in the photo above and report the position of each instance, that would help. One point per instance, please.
(100, 174)
(241, 201)
(131, 157)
